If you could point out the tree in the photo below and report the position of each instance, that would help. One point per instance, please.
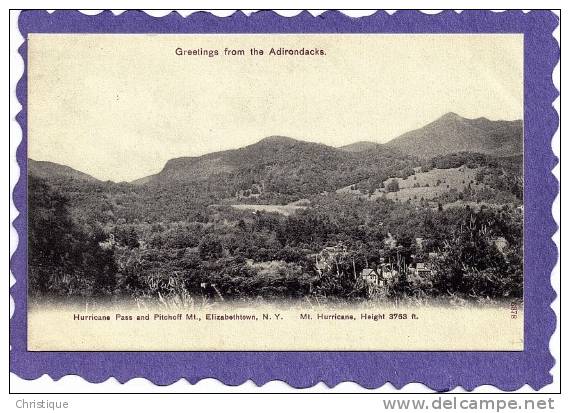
(64, 259)
(471, 264)
(127, 236)
(393, 186)
(210, 248)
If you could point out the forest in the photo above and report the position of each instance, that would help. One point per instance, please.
(178, 236)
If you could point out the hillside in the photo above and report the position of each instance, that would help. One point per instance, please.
(360, 146)
(44, 169)
(453, 133)
(279, 165)
(426, 185)
(277, 171)
(447, 179)
(291, 221)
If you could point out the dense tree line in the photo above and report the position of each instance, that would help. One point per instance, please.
(65, 259)
(238, 254)
(182, 237)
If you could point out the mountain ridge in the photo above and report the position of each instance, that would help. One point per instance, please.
(450, 133)
(45, 169)
(360, 146)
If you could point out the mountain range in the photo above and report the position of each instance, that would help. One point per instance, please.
(278, 160)
(452, 133)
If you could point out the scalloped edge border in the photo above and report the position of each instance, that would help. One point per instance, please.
(440, 371)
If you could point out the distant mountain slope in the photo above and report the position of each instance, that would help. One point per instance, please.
(45, 169)
(281, 164)
(143, 180)
(279, 169)
(452, 133)
(265, 154)
(360, 146)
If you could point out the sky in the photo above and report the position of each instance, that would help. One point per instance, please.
(119, 106)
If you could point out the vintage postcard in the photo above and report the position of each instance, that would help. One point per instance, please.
(368, 190)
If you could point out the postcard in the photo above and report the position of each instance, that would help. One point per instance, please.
(370, 191)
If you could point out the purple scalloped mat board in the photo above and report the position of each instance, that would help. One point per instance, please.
(438, 370)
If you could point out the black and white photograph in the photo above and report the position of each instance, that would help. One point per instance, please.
(354, 173)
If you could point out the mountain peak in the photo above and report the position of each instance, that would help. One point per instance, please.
(278, 139)
(451, 116)
(453, 133)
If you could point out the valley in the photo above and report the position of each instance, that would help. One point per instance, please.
(436, 212)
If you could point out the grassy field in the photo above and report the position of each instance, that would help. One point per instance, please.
(280, 209)
(426, 185)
